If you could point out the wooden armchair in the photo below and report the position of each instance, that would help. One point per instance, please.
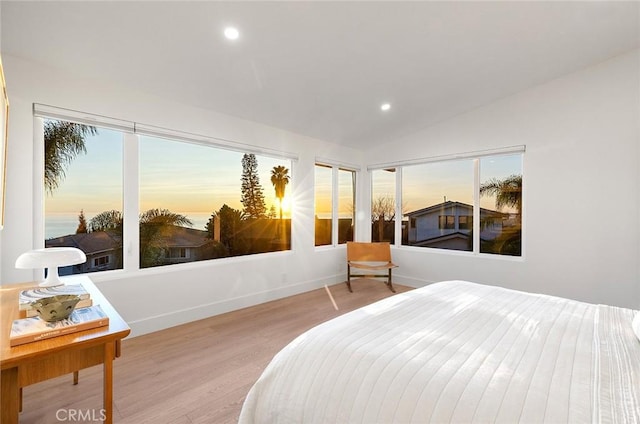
(374, 257)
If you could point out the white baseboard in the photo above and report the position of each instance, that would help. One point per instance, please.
(171, 319)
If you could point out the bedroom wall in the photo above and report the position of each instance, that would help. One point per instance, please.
(581, 179)
(180, 293)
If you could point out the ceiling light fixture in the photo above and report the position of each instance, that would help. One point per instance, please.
(231, 33)
(385, 106)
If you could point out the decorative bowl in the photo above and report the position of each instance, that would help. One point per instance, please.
(55, 308)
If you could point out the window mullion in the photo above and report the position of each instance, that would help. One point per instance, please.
(398, 206)
(476, 206)
(131, 229)
(335, 197)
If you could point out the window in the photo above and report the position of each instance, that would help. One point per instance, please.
(211, 202)
(335, 193)
(346, 205)
(383, 204)
(465, 222)
(447, 222)
(84, 192)
(435, 194)
(501, 205)
(177, 253)
(441, 198)
(101, 261)
(195, 200)
(323, 204)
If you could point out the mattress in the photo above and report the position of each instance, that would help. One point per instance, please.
(457, 352)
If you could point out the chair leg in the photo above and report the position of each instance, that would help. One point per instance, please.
(76, 375)
(349, 279)
(389, 284)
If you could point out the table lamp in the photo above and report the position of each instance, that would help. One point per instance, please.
(51, 258)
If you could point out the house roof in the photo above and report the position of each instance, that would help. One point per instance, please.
(432, 240)
(451, 204)
(184, 237)
(101, 241)
(90, 243)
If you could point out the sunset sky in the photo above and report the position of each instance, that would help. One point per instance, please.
(190, 178)
(177, 176)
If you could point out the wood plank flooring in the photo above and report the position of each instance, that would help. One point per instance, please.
(198, 372)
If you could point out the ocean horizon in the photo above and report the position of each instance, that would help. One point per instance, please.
(63, 224)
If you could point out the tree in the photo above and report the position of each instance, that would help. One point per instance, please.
(63, 142)
(280, 179)
(252, 195)
(82, 223)
(154, 224)
(231, 226)
(508, 193)
(383, 208)
(106, 221)
(272, 213)
(383, 211)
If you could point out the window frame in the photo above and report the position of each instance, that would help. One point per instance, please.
(475, 218)
(335, 198)
(132, 131)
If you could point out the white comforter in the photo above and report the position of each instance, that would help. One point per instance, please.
(457, 352)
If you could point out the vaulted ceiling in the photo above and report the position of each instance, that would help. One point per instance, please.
(323, 68)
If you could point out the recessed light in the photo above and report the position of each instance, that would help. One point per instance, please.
(385, 106)
(231, 33)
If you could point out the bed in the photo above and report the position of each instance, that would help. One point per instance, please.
(457, 352)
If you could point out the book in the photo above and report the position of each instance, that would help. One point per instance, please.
(33, 329)
(30, 295)
(32, 312)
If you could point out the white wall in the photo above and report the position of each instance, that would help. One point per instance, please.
(180, 293)
(582, 231)
(581, 194)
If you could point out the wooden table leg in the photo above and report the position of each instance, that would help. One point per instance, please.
(10, 396)
(109, 349)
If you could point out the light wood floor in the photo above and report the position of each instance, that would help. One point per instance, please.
(198, 372)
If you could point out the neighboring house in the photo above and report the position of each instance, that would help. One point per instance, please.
(449, 225)
(183, 244)
(103, 250)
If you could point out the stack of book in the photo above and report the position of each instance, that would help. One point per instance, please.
(31, 328)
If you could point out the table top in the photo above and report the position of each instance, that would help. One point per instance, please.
(12, 356)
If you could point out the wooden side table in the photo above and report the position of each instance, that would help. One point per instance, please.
(38, 361)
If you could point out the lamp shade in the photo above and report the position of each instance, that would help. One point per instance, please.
(50, 258)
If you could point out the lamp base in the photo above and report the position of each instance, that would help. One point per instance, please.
(52, 279)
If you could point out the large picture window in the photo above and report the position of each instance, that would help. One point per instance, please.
(199, 202)
(441, 198)
(195, 201)
(435, 195)
(84, 193)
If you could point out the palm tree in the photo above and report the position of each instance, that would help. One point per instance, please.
(155, 223)
(63, 141)
(280, 178)
(508, 193)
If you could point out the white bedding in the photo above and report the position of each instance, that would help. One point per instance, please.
(457, 352)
